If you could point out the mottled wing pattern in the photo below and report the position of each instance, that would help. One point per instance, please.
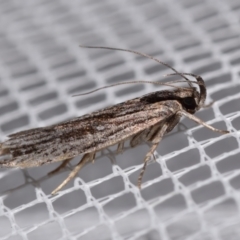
(88, 133)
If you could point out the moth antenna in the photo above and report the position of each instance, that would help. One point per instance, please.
(143, 55)
(189, 74)
(169, 84)
(202, 86)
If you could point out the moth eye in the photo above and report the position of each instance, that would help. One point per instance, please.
(189, 102)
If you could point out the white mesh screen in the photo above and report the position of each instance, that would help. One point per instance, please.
(192, 191)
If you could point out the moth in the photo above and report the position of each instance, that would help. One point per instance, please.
(147, 118)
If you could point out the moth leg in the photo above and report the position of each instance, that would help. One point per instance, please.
(157, 137)
(148, 156)
(120, 147)
(199, 121)
(208, 105)
(86, 158)
(63, 165)
(174, 121)
(110, 156)
(136, 139)
(93, 157)
(152, 133)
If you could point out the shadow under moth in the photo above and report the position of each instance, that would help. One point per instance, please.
(147, 118)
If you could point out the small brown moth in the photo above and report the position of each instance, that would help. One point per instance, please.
(147, 118)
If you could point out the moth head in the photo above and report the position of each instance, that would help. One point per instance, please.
(190, 101)
(189, 98)
(199, 97)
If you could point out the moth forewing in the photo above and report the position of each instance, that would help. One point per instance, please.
(147, 118)
(86, 134)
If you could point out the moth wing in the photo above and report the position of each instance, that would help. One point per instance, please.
(89, 133)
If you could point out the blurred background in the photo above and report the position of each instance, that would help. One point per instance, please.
(192, 190)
